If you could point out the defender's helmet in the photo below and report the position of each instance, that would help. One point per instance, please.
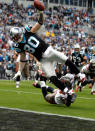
(92, 66)
(68, 97)
(71, 97)
(16, 34)
(69, 94)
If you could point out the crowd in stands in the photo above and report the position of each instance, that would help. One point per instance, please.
(64, 27)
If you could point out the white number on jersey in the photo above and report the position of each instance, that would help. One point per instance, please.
(30, 46)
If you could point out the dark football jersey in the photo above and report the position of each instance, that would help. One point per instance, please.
(32, 43)
(77, 59)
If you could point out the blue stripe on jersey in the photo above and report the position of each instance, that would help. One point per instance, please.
(27, 28)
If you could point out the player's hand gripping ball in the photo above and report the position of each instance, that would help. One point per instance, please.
(39, 5)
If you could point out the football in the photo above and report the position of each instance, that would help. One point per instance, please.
(39, 5)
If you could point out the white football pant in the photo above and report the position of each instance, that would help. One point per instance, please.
(49, 58)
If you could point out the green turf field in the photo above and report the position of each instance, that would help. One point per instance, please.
(28, 97)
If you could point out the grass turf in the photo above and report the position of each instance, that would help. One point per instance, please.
(30, 98)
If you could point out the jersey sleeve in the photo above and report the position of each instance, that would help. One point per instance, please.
(28, 28)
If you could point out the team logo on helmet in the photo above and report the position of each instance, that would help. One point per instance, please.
(16, 34)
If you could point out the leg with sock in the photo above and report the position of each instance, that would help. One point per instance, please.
(44, 91)
(50, 89)
(57, 82)
(18, 82)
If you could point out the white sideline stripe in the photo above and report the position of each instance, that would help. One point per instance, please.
(86, 98)
(19, 91)
(44, 113)
(39, 93)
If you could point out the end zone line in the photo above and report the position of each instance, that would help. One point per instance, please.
(44, 113)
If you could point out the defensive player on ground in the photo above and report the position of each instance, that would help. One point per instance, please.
(56, 96)
(89, 71)
(26, 39)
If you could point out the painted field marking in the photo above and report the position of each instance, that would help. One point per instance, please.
(44, 113)
(36, 93)
(19, 91)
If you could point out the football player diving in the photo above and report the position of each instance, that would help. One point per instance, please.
(26, 39)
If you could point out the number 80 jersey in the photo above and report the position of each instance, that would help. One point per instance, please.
(32, 43)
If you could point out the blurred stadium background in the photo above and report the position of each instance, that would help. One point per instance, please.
(24, 120)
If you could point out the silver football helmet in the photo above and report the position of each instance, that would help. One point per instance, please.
(68, 97)
(16, 34)
(77, 48)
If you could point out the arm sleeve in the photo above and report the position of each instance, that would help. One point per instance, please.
(41, 18)
(28, 28)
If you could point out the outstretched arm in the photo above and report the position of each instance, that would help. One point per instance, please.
(38, 25)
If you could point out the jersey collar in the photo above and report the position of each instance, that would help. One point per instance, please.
(24, 41)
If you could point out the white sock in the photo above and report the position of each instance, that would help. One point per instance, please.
(17, 84)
